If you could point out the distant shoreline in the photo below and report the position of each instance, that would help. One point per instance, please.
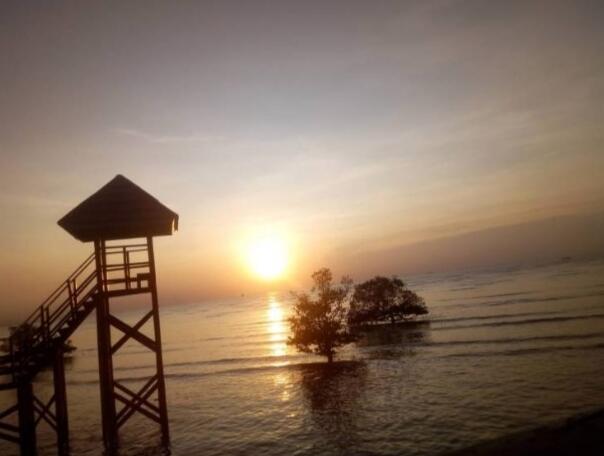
(579, 435)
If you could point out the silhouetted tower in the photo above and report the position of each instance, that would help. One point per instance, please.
(121, 210)
(120, 220)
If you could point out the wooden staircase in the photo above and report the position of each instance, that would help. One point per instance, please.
(32, 344)
(40, 343)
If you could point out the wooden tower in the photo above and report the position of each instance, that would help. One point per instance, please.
(120, 220)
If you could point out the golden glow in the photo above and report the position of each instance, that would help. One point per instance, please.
(276, 327)
(267, 257)
(282, 381)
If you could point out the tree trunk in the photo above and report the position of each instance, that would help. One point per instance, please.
(330, 358)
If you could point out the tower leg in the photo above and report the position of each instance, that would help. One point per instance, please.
(27, 423)
(161, 384)
(110, 437)
(61, 404)
(106, 378)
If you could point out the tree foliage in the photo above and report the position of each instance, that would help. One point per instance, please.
(384, 299)
(318, 324)
(22, 336)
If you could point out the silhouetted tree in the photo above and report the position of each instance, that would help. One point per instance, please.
(319, 321)
(384, 299)
(22, 336)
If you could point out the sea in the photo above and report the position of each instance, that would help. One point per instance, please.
(503, 350)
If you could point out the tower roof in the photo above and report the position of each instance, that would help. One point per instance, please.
(119, 210)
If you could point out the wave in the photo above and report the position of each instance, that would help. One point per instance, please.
(489, 296)
(187, 375)
(528, 321)
(511, 340)
(526, 351)
(209, 362)
(506, 302)
(249, 359)
(501, 295)
(465, 288)
(496, 316)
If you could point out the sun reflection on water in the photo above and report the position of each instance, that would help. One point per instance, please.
(276, 327)
(283, 382)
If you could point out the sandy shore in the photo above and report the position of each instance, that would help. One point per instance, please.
(581, 435)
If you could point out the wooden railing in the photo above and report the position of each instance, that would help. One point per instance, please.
(48, 318)
(131, 274)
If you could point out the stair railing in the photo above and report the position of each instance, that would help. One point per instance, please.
(41, 327)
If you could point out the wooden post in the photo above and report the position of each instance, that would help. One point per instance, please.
(27, 423)
(73, 301)
(110, 437)
(61, 404)
(43, 326)
(161, 385)
(126, 256)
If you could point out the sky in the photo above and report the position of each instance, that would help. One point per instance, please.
(350, 130)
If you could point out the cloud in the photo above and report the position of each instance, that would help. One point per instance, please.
(167, 139)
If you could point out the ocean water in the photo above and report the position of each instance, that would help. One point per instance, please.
(505, 350)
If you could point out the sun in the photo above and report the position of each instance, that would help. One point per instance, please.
(267, 257)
